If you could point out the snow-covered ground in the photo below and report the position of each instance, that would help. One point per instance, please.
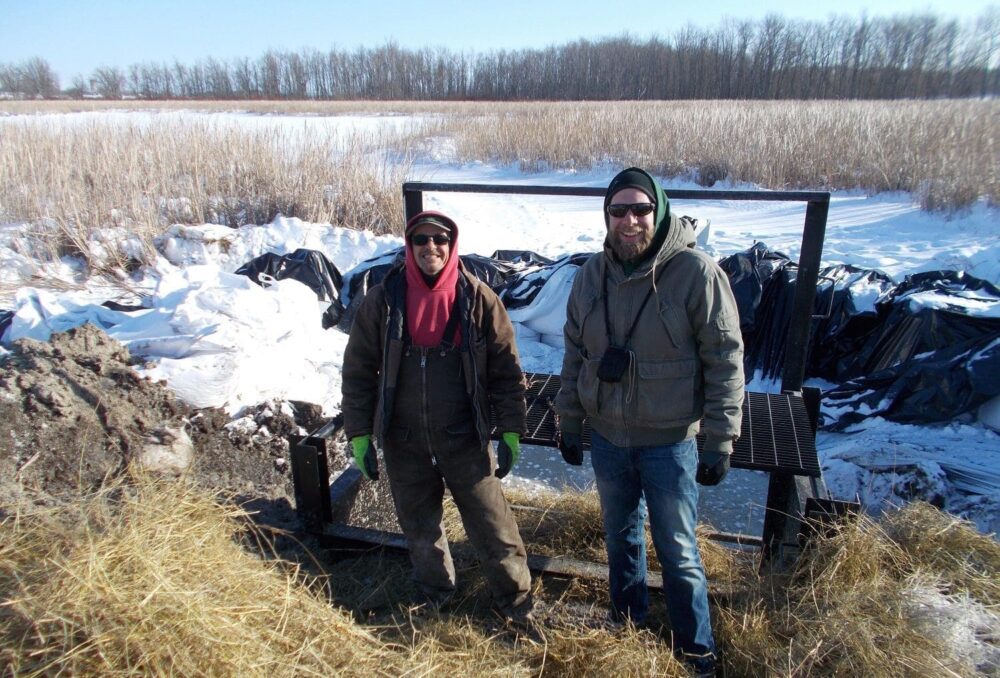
(218, 339)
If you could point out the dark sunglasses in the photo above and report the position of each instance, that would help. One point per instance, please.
(422, 239)
(639, 209)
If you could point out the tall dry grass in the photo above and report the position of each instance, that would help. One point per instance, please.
(157, 578)
(942, 151)
(71, 181)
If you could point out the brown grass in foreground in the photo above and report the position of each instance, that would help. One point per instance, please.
(156, 578)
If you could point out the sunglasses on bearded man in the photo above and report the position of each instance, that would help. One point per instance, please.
(639, 209)
(422, 239)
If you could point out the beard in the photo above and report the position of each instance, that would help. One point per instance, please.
(628, 252)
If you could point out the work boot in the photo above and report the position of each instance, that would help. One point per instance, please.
(701, 666)
(424, 604)
(521, 616)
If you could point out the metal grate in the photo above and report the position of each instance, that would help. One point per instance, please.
(777, 434)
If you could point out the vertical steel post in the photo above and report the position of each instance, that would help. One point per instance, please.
(797, 340)
(413, 201)
(787, 493)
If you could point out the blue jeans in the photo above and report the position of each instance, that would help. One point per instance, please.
(630, 479)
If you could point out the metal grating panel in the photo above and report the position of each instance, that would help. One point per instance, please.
(777, 434)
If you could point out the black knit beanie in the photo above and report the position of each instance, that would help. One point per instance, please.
(633, 177)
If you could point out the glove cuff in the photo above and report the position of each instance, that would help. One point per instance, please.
(567, 425)
(511, 438)
(719, 445)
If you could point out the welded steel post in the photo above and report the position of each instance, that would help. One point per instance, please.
(797, 340)
(413, 201)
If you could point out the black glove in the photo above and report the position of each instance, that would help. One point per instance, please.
(571, 446)
(712, 468)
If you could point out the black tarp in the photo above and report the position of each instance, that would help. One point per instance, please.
(309, 267)
(913, 352)
(750, 272)
(763, 283)
(907, 327)
(6, 318)
(846, 314)
(521, 288)
(928, 358)
(492, 271)
(932, 387)
(522, 257)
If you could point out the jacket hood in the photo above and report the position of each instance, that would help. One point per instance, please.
(442, 221)
(671, 234)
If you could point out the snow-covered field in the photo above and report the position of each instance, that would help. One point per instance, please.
(218, 339)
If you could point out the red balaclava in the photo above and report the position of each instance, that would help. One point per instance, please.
(428, 306)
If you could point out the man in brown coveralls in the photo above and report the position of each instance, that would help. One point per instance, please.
(430, 351)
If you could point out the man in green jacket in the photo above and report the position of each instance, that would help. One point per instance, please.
(653, 346)
(431, 351)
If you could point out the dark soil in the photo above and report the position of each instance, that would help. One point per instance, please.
(76, 414)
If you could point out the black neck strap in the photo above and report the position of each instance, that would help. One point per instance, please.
(635, 321)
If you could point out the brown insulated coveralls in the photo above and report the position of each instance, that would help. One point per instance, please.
(429, 411)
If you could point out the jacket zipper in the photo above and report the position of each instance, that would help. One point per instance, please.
(384, 379)
(623, 392)
(424, 409)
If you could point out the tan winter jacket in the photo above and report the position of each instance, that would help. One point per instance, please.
(687, 345)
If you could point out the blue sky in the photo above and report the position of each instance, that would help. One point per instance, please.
(78, 36)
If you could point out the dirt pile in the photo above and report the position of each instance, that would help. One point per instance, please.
(76, 412)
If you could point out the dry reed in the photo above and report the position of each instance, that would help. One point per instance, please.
(944, 152)
(70, 181)
(155, 579)
(103, 189)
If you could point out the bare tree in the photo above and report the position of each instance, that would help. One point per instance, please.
(33, 78)
(920, 55)
(108, 81)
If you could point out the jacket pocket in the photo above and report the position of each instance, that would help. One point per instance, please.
(588, 387)
(673, 325)
(666, 392)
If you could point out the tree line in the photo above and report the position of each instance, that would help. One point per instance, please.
(914, 56)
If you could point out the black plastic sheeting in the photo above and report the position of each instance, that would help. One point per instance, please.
(495, 271)
(909, 362)
(309, 267)
(931, 387)
(521, 289)
(905, 330)
(848, 315)
(920, 361)
(763, 283)
(750, 273)
(6, 318)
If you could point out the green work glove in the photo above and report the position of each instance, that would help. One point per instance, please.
(508, 452)
(712, 468)
(364, 456)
